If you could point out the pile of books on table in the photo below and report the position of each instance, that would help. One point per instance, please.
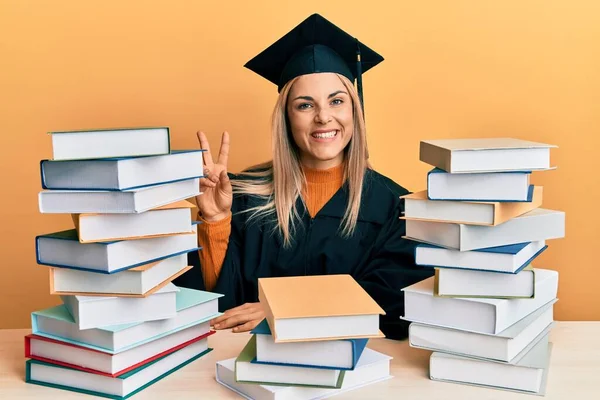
(487, 312)
(122, 325)
(312, 343)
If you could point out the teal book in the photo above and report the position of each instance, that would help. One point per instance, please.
(193, 307)
(121, 387)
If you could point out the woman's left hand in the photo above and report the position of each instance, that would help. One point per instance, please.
(242, 318)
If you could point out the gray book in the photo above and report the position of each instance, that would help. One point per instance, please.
(505, 346)
(535, 225)
(528, 374)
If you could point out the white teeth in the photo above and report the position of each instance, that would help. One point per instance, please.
(324, 135)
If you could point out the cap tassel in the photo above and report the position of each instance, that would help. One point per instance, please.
(359, 76)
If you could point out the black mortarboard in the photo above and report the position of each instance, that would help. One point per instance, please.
(315, 45)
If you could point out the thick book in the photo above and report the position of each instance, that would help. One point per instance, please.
(194, 307)
(485, 155)
(322, 307)
(121, 173)
(480, 315)
(63, 249)
(116, 202)
(140, 281)
(104, 143)
(491, 285)
(171, 219)
(538, 224)
(507, 259)
(120, 387)
(98, 311)
(527, 375)
(337, 354)
(247, 371)
(372, 367)
(418, 207)
(504, 346)
(102, 363)
(493, 186)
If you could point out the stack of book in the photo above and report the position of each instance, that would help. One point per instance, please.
(312, 343)
(122, 324)
(486, 313)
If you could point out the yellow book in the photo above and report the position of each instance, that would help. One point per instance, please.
(323, 307)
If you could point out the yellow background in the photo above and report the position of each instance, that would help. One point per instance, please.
(525, 69)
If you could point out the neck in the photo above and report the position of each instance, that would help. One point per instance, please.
(312, 163)
(329, 175)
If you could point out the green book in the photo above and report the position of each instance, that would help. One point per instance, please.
(247, 370)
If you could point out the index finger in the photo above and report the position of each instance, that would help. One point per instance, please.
(224, 151)
(206, 157)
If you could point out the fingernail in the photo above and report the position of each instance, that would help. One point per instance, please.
(217, 326)
(235, 329)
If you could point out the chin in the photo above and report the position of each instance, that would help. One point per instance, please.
(325, 157)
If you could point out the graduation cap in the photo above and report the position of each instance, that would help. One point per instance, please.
(315, 45)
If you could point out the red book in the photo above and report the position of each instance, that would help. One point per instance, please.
(103, 363)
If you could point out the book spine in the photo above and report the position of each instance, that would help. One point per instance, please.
(436, 156)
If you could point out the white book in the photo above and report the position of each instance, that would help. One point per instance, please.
(116, 387)
(193, 307)
(95, 312)
(504, 346)
(371, 368)
(507, 259)
(116, 202)
(122, 173)
(485, 155)
(538, 224)
(54, 351)
(139, 281)
(528, 375)
(493, 186)
(169, 219)
(479, 315)
(63, 249)
(469, 283)
(104, 143)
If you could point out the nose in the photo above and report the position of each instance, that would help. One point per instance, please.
(322, 117)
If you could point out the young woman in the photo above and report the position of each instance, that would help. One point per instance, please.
(316, 208)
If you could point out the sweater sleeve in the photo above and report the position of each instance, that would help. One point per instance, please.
(213, 237)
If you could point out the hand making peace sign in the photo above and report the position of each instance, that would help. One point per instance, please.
(215, 201)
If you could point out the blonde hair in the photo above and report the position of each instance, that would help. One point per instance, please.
(280, 181)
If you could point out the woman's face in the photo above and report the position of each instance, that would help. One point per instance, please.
(319, 109)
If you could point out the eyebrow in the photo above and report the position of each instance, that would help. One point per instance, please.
(309, 98)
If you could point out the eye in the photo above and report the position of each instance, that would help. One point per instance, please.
(303, 106)
(337, 102)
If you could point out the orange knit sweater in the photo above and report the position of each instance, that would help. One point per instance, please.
(213, 237)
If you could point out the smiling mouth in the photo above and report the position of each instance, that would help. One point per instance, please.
(325, 135)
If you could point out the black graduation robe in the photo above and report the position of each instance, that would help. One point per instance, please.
(377, 256)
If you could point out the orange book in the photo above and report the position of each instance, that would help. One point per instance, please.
(323, 307)
(419, 207)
